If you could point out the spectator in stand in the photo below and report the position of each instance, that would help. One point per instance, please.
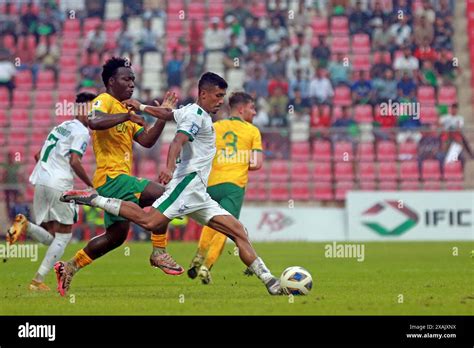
(7, 74)
(381, 36)
(257, 86)
(427, 11)
(235, 29)
(8, 21)
(362, 90)
(445, 66)
(254, 31)
(401, 7)
(407, 88)
(358, 20)
(300, 83)
(234, 55)
(214, 37)
(256, 60)
(303, 46)
(20, 206)
(47, 55)
(299, 63)
(320, 122)
(299, 107)
(443, 33)
(322, 53)
(279, 81)
(278, 104)
(423, 31)
(382, 64)
(345, 128)
(238, 10)
(320, 89)
(275, 32)
(339, 7)
(428, 76)
(429, 147)
(444, 11)
(401, 32)
(174, 70)
(280, 12)
(406, 63)
(26, 54)
(29, 22)
(384, 126)
(48, 21)
(148, 41)
(378, 15)
(276, 67)
(425, 52)
(340, 70)
(452, 121)
(409, 129)
(386, 88)
(125, 40)
(95, 41)
(302, 17)
(260, 120)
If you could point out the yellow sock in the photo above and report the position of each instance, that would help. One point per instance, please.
(205, 240)
(159, 240)
(215, 249)
(81, 259)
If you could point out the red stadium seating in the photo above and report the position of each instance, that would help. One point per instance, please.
(429, 114)
(407, 150)
(339, 26)
(343, 151)
(21, 99)
(322, 191)
(409, 185)
(279, 192)
(361, 44)
(4, 120)
(386, 151)
(300, 151)
(409, 171)
(256, 192)
(342, 188)
(300, 172)
(361, 62)
(343, 171)
(340, 45)
(24, 81)
(90, 24)
(321, 150)
(432, 185)
(387, 171)
(342, 96)
(426, 95)
(45, 80)
(447, 95)
(365, 151)
(388, 185)
(43, 99)
(363, 114)
(366, 171)
(430, 170)
(300, 191)
(453, 171)
(368, 185)
(322, 171)
(320, 26)
(279, 171)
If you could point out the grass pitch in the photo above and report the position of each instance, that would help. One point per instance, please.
(394, 279)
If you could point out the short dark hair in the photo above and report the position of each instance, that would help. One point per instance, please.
(85, 97)
(210, 79)
(239, 98)
(111, 66)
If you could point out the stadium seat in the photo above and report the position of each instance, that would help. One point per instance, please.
(67, 81)
(361, 62)
(453, 171)
(342, 96)
(432, 185)
(300, 172)
(279, 171)
(409, 171)
(340, 44)
(18, 136)
(430, 170)
(382, 57)
(21, 99)
(343, 151)
(447, 95)
(300, 151)
(368, 185)
(322, 191)
(322, 171)
(361, 44)
(365, 151)
(197, 10)
(429, 114)
(387, 171)
(454, 185)
(363, 114)
(68, 64)
(366, 171)
(256, 192)
(9, 42)
(112, 26)
(90, 24)
(407, 150)
(300, 191)
(343, 171)
(45, 80)
(409, 185)
(386, 151)
(43, 99)
(279, 192)
(342, 187)
(19, 118)
(388, 185)
(321, 150)
(320, 26)
(426, 95)
(24, 81)
(258, 175)
(4, 120)
(66, 96)
(72, 25)
(339, 26)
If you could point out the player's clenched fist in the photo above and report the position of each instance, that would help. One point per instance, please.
(165, 176)
(132, 103)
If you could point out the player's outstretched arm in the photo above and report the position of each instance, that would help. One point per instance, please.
(101, 121)
(173, 153)
(163, 112)
(76, 165)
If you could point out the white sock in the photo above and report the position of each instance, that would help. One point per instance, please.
(39, 234)
(110, 205)
(54, 253)
(258, 267)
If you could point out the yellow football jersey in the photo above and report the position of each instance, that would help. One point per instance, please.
(236, 140)
(113, 146)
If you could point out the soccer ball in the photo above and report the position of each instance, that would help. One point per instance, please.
(296, 280)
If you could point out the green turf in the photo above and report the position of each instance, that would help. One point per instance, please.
(431, 280)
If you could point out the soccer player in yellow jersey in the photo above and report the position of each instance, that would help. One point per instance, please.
(239, 149)
(115, 127)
